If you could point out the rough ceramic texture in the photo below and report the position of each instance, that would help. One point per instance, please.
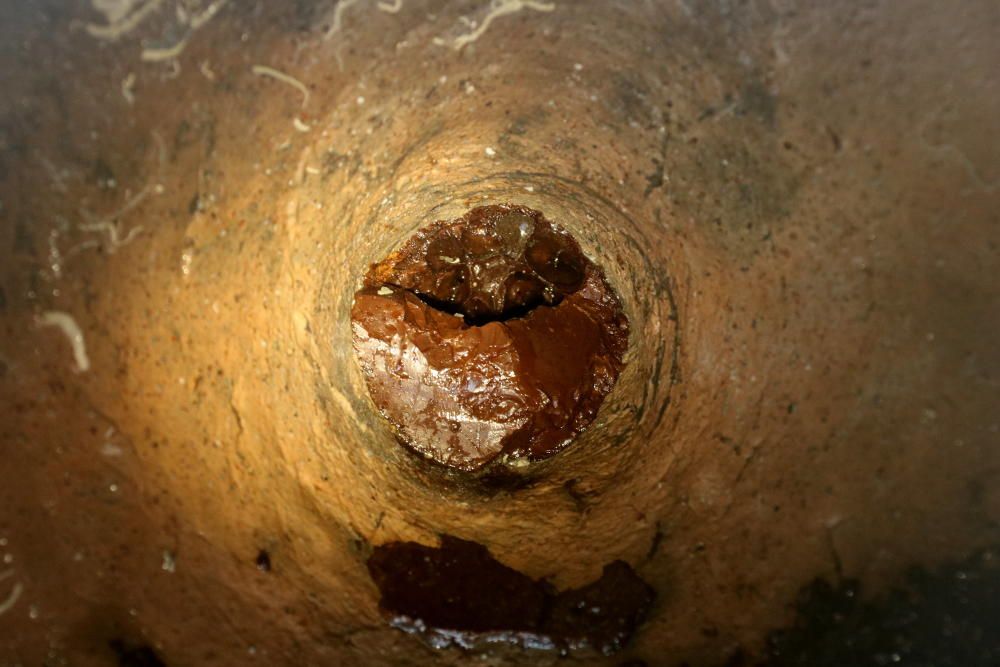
(796, 203)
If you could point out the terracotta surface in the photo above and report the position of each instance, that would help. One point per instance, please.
(797, 203)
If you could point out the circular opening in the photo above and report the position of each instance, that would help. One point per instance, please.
(489, 336)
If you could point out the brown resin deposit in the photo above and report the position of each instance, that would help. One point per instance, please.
(753, 317)
(458, 594)
(490, 334)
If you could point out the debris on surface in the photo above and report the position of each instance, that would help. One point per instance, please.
(338, 17)
(128, 83)
(278, 75)
(169, 562)
(390, 7)
(124, 16)
(15, 593)
(264, 70)
(500, 8)
(109, 225)
(67, 324)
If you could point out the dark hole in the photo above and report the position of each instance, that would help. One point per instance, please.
(135, 656)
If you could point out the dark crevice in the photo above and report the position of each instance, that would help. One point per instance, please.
(511, 312)
(135, 655)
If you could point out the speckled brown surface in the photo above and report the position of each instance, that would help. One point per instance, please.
(797, 204)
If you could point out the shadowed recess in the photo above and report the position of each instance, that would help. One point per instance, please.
(941, 618)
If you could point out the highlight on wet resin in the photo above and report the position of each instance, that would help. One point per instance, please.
(489, 337)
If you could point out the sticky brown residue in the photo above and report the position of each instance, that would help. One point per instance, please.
(489, 335)
(460, 595)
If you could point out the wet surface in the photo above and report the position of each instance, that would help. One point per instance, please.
(458, 594)
(489, 335)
